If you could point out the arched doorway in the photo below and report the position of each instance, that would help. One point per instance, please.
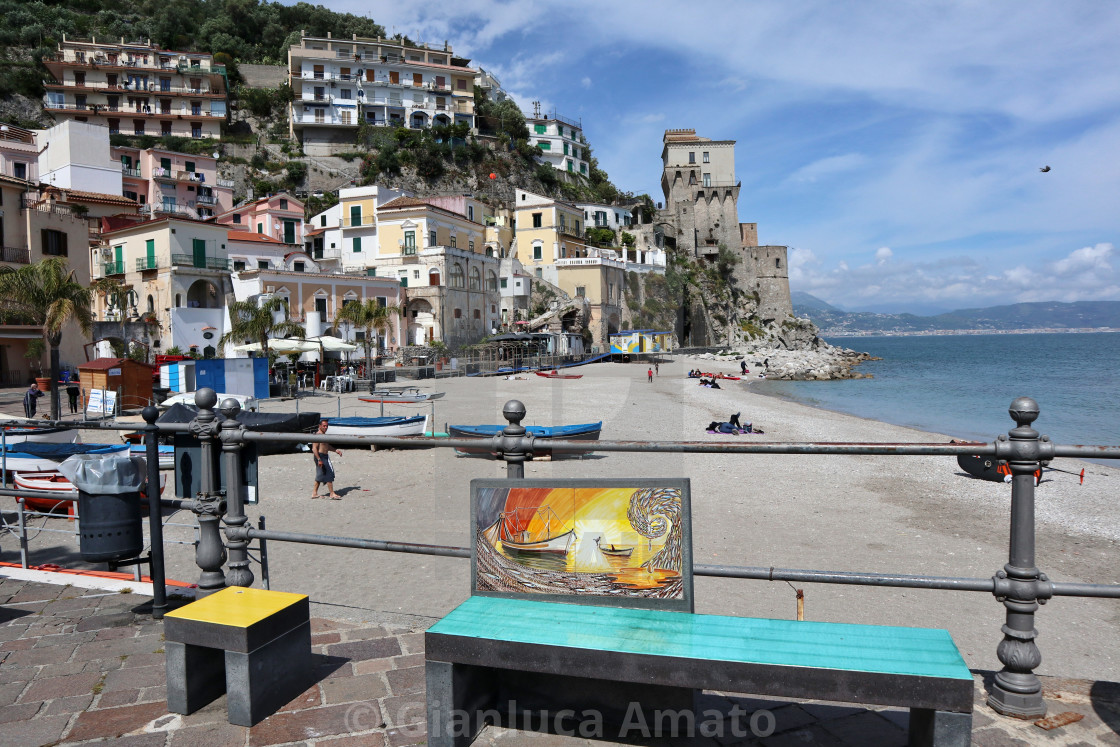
(203, 295)
(421, 322)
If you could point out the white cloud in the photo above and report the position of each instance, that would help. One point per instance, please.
(1090, 258)
(883, 255)
(585, 82)
(826, 167)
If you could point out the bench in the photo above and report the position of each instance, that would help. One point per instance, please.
(254, 645)
(520, 644)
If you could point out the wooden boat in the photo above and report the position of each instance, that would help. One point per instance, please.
(45, 457)
(616, 552)
(523, 540)
(54, 482)
(408, 394)
(542, 433)
(395, 425)
(19, 434)
(558, 375)
(986, 467)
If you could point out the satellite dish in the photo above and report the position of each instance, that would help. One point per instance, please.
(216, 154)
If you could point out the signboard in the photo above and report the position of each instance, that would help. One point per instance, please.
(94, 403)
(114, 372)
(101, 402)
(110, 407)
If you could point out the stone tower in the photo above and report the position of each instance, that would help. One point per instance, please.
(701, 192)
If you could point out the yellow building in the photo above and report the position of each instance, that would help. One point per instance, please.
(547, 230)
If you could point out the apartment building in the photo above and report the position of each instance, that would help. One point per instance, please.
(137, 88)
(278, 216)
(165, 182)
(255, 251)
(179, 272)
(344, 236)
(19, 153)
(33, 226)
(338, 83)
(562, 141)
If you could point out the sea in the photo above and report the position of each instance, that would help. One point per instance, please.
(962, 385)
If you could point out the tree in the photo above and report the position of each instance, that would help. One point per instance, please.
(47, 294)
(368, 315)
(257, 322)
(119, 296)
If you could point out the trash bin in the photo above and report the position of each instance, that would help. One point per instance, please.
(108, 504)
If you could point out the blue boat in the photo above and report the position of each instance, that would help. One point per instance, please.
(580, 432)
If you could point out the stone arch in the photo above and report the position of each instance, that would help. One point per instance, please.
(418, 120)
(475, 279)
(203, 295)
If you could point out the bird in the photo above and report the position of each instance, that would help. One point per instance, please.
(1044, 169)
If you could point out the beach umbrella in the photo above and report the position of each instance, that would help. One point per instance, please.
(334, 344)
(251, 347)
(293, 345)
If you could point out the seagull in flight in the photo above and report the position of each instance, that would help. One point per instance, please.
(1044, 169)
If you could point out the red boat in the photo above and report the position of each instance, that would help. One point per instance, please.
(558, 375)
(714, 376)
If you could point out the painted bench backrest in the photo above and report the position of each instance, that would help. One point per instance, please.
(615, 542)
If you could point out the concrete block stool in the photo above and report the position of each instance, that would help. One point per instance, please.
(262, 641)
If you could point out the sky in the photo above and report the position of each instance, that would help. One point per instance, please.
(894, 147)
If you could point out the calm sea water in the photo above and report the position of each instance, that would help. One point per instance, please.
(961, 385)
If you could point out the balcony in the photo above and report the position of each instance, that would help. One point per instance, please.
(590, 262)
(112, 268)
(125, 170)
(189, 176)
(15, 255)
(155, 88)
(206, 200)
(147, 263)
(202, 263)
(569, 231)
(228, 183)
(162, 174)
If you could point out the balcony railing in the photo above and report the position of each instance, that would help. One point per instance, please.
(161, 173)
(206, 200)
(225, 182)
(207, 263)
(189, 176)
(15, 255)
(130, 172)
(112, 268)
(154, 88)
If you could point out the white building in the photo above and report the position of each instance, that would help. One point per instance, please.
(345, 236)
(615, 217)
(562, 141)
(75, 155)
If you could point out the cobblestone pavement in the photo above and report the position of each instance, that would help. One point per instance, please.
(79, 666)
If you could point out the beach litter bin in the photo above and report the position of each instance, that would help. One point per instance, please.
(111, 527)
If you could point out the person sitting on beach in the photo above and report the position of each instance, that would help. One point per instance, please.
(715, 384)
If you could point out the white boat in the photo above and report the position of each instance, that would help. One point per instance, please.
(408, 394)
(39, 457)
(166, 454)
(397, 425)
(187, 398)
(15, 434)
(56, 482)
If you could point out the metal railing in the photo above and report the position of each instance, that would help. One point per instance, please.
(15, 255)
(147, 263)
(112, 268)
(209, 262)
(1020, 585)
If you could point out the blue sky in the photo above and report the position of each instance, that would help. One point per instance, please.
(895, 147)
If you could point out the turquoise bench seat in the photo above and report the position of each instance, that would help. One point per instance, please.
(488, 639)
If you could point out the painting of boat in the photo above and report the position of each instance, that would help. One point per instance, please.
(621, 539)
(390, 425)
(20, 434)
(31, 456)
(558, 375)
(541, 433)
(408, 394)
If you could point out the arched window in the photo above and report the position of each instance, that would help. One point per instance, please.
(491, 281)
(456, 275)
(151, 304)
(178, 300)
(476, 279)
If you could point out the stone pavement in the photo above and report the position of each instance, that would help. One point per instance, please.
(80, 666)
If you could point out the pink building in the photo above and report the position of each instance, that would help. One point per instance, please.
(277, 216)
(19, 153)
(163, 181)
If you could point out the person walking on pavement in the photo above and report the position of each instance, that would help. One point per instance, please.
(72, 392)
(324, 471)
(30, 400)
(657, 367)
(649, 373)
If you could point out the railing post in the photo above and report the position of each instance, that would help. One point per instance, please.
(208, 505)
(155, 514)
(240, 574)
(1016, 690)
(512, 444)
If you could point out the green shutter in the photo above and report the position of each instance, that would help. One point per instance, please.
(150, 247)
(539, 129)
(260, 228)
(165, 163)
(189, 166)
(544, 145)
(199, 246)
(357, 243)
(355, 215)
(289, 232)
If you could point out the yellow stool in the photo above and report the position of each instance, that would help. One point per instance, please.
(262, 641)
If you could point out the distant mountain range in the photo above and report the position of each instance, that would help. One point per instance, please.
(1049, 315)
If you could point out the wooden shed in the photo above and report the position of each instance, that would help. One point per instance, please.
(132, 379)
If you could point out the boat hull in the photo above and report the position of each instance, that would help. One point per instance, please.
(16, 435)
(408, 395)
(559, 376)
(54, 482)
(541, 436)
(557, 545)
(392, 426)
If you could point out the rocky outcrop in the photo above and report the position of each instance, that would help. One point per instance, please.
(819, 362)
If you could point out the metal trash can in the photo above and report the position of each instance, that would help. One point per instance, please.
(108, 486)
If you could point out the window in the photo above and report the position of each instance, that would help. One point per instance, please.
(457, 275)
(382, 302)
(323, 220)
(355, 215)
(540, 272)
(238, 265)
(583, 168)
(137, 127)
(692, 158)
(503, 283)
(705, 156)
(188, 166)
(536, 251)
(470, 212)
(462, 84)
(565, 149)
(538, 219)
(477, 315)
(476, 279)
(470, 245)
(196, 129)
(54, 242)
(458, 313)
(539, 129)
(581, 291)
(19, 170)
(544, 145)
(777, 262)
(347, 93)
(345, 117)
(357, 244)
(260, 228)
(571, 167)
(415, 274)
(451, 240)
(707, 180)
(262, 264)
(410, 242)
(321, 306)
(432, 240)
(283, 204)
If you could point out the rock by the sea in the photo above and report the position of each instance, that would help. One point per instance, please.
(822, 362)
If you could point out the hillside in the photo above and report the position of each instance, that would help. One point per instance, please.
(1050, 315)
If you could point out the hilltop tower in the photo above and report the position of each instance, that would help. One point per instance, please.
(701, 192)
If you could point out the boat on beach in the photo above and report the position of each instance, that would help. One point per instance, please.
(45, 457)
(408, 394)
(54, 482)
(19, 434)
(390, 425)
(558, 375)
(541, 434)
(269, 422)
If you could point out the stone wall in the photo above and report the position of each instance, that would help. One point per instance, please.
(263, 76)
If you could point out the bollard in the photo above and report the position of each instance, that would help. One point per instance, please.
(1016, 690)
(155, 514)
(238, 544)
(513, 444)
(208, 507)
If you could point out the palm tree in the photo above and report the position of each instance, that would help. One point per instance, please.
(48, 294)
(250, 321)
(117, 295)
(370, 316)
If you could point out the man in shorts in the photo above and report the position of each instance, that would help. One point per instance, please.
(324, 471)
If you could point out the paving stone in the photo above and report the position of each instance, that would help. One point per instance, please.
(372, 665)
(136, 678)
(322, 639)
(113, 634)
(72, 704)
(38, 656)
(157, 739)
(407, 735)
(404, 681)
(209, 735)
(365, 634)
(61, 687)
(112, 722)
(374, 648)
(9, 691)
(42, 730)
(19, 712)
(144, 660)
(350, 689)
(866, 728)
(68, 668)
(401, 710)
(309, 698)
(105, 649)
(322, 624)
(290, 726)
(116, 698)
(412, 643)
(372, 739)
(213, 712)
(69, 638)
(409, 660)
(786, 718)
(35, 593)
(111, 620)
(149, 694)
(995, 737)
(12, 631)
(19, 644)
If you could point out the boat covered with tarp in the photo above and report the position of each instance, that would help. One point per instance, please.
(268, 422)
(32, 456)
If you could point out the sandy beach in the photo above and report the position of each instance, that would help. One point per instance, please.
(907, 515)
